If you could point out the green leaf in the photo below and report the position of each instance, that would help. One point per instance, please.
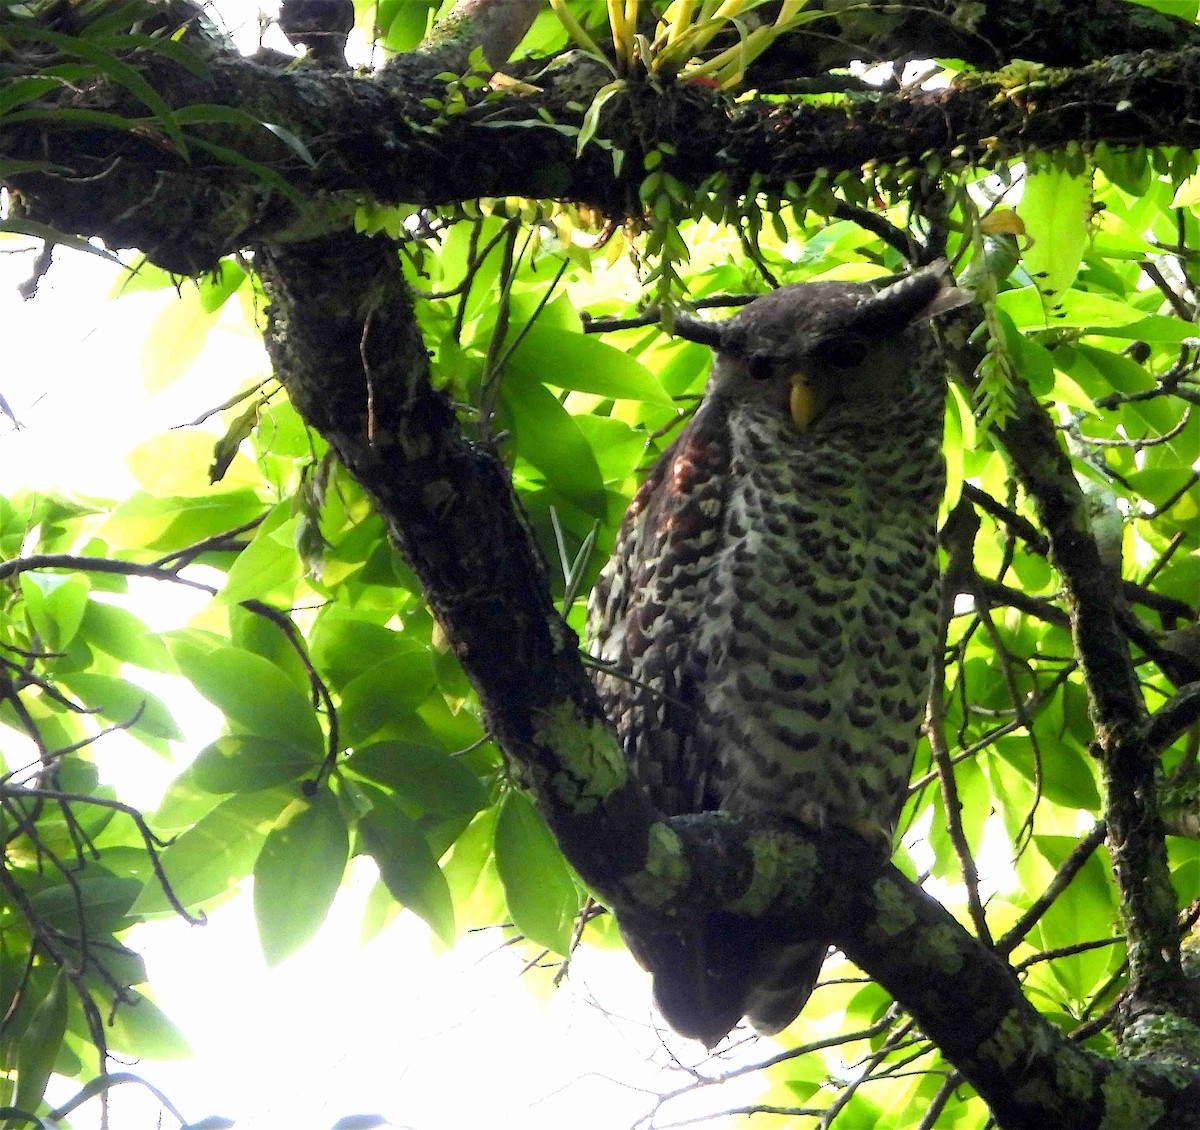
(542, 897)
(254, 694)
(958, 435)
(545, 435)
(166, 524)
(1121, 374)
(1068, 782)
(1158, 486)
(183, 804)
(98, 903)
(591, 119)
(204, 113)
(1086, 909)
(40, 1044)
(423, 775)
(217, 285)
(119, 633)
(56, 604)
(269, 564)
(1056, 208)
(242, 763)
(292, 142)
(217, 852)
(298, 872)
(1093, 312)
(385, 693)
(141, 274)
(619, 449)
(343, 648)
(1180, 9)
(406, 865)
(113, 68)
(403, 22)
(140, 1028)
(583, 363)
(27, 89)
(250, 631)
(126, 704)
(175, 339)
(261, 172)
(465, 863)
(227, 447)
(176, 463)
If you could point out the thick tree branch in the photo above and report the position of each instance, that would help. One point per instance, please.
(1092, 591)
(369, 136)
(988, 35)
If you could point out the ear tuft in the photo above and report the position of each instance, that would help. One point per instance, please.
(924, 294)
(698, 330)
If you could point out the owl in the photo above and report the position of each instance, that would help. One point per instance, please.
(765, 628)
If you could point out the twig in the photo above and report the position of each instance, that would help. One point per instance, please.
(1182, 308)
(1170, 720)
(938, 1104)
(958, 536)
(1068, 951)
(1071, 866)
(879, 225)
(652, 316)
(872, 1061)
(1159, 511)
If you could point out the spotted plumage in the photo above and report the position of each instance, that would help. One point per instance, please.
(768, 618)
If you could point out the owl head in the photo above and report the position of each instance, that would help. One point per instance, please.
(828, 348)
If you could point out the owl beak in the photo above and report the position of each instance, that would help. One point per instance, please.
(802, 402)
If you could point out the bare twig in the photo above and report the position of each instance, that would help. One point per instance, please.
(1071, 866)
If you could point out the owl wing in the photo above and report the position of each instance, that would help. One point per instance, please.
(651, 628)
(647, 609)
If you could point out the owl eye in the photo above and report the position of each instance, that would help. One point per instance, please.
(841, 352)
(761, 366)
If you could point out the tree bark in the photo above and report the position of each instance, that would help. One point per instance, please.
(186, 207)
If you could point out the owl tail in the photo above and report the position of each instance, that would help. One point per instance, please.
(706, 980)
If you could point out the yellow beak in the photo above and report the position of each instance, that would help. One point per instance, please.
(802, 402)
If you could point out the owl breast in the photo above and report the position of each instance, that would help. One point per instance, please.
(820, 624)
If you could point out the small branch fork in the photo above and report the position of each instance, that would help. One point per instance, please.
(167, 569)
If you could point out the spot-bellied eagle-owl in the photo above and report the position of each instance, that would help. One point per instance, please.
(768, 619)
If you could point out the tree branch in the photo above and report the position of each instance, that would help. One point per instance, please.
(1092, 591)
(403, 142)
(1171, 720)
